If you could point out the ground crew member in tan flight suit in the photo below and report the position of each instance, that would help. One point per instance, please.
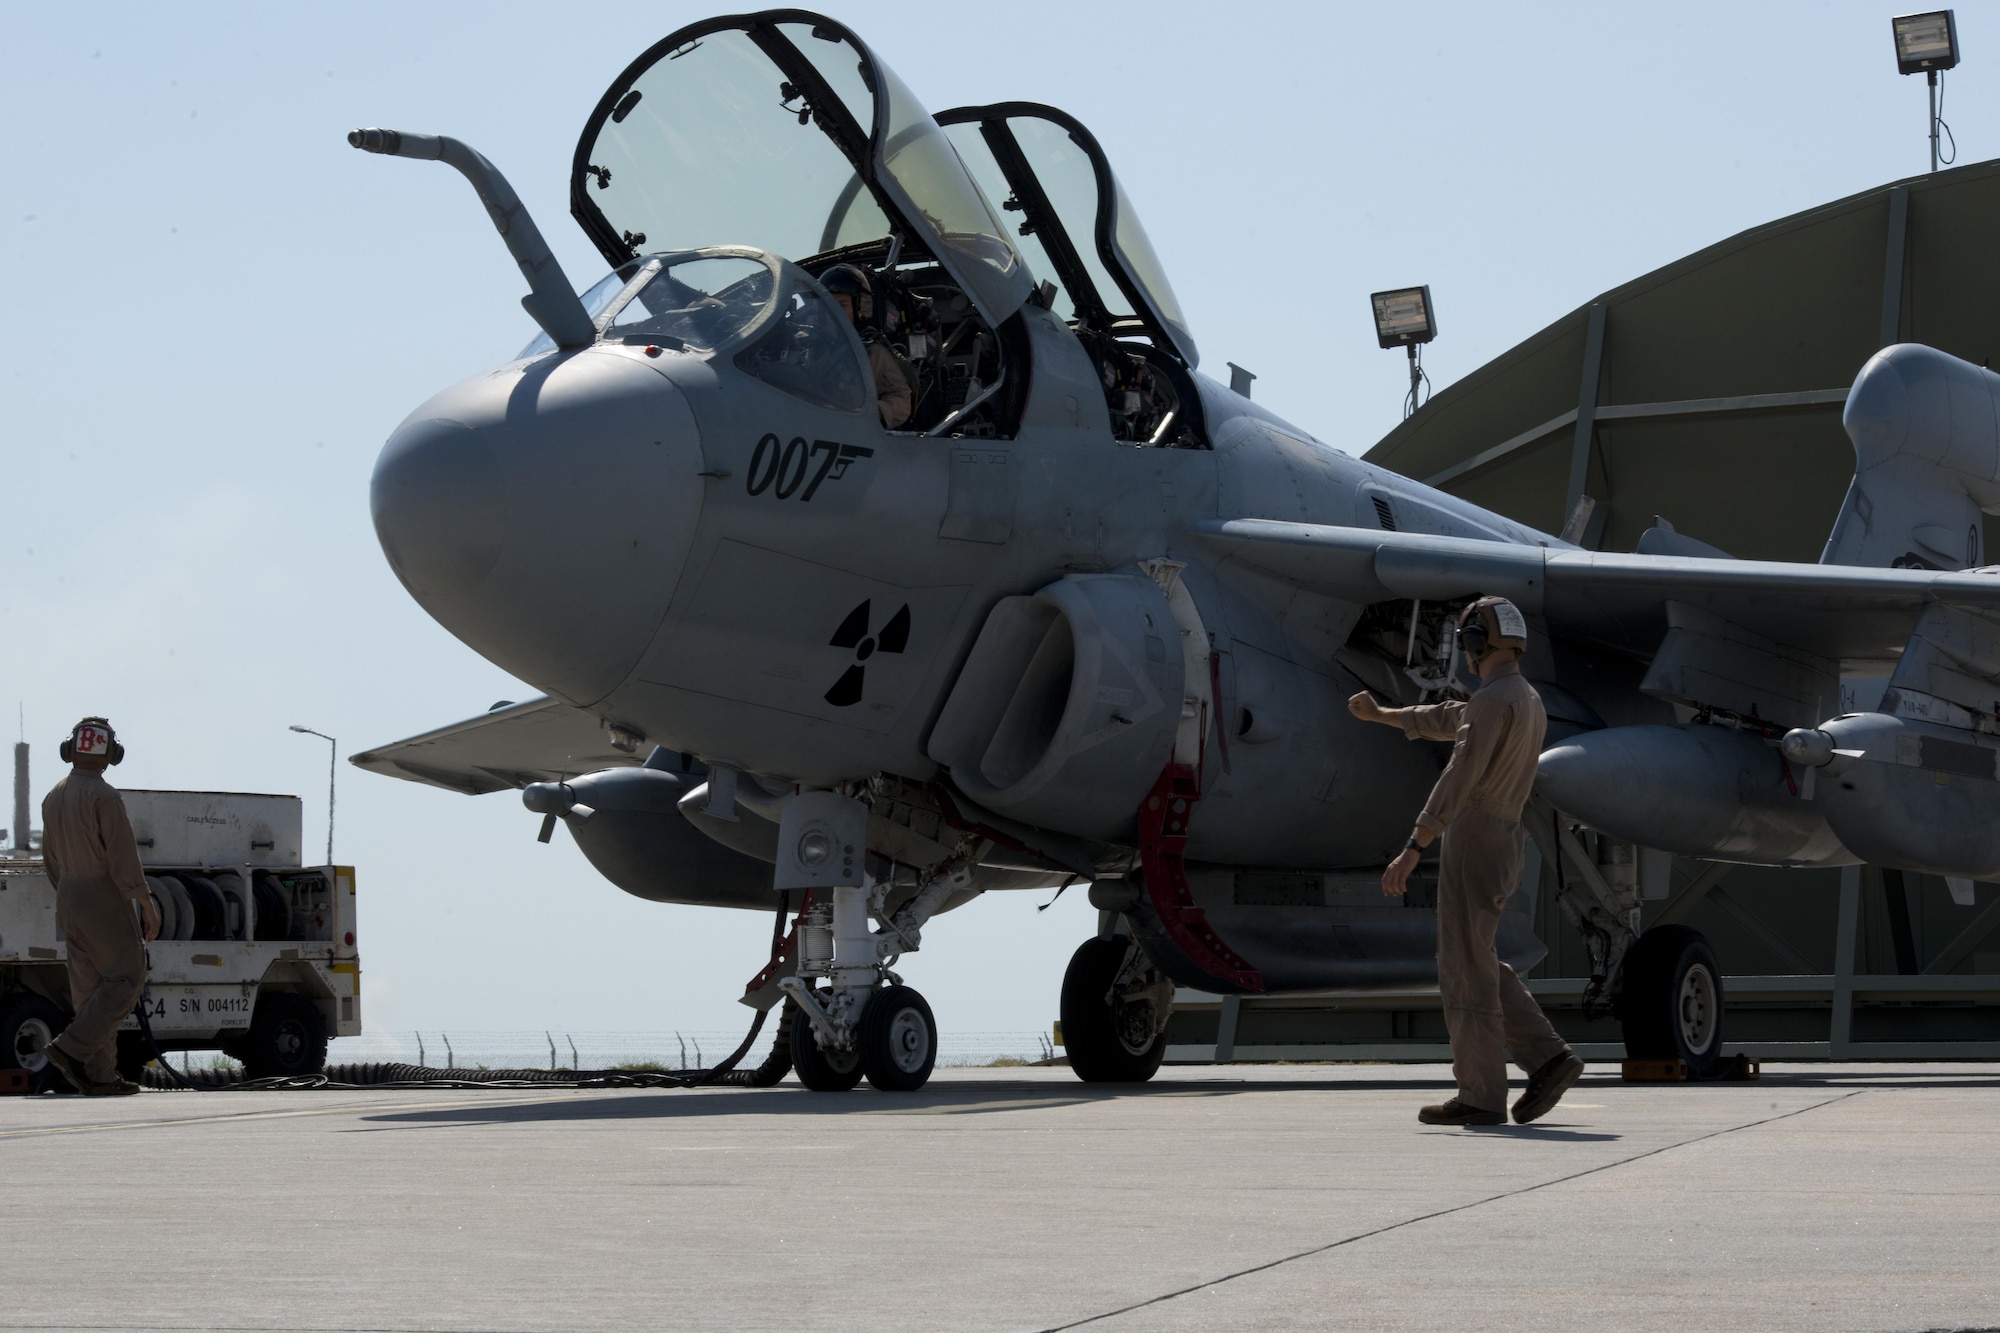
(1476, 807)
(93, 861)
(852, 292)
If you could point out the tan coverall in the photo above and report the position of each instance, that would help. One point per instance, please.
(93, 860)
(892, 386)
(1497, 736)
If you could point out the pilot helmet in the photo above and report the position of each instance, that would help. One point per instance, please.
(1489, 623)
(92, 738)
(846, 279)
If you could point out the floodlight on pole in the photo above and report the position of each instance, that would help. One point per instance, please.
(332, 767)
(1405, 318)
(1927, 44)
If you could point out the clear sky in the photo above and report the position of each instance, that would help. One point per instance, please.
(216, 311)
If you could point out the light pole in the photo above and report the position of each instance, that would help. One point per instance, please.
(332, 762)
(1404, 318)
(1927, 44)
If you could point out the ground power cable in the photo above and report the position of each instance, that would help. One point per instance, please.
(1282, 1260)
(392, 1076)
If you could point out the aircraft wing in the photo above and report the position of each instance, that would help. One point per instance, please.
(1843, 612)
(537, 741)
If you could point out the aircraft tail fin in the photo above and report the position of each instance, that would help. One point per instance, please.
(1926, 432)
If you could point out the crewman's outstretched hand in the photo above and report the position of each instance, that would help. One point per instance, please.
(1363, 706)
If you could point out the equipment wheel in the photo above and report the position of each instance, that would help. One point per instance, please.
(822, 1071)
(1109, 1037)
(287, 1038)
(1671, 1003)
(897, 1039)
(27, 1026)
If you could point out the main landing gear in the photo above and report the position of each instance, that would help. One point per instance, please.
(1671, 1002)
(1115, 1005)
(864, 1022)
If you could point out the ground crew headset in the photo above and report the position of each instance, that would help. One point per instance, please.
(1489, 623)
(92, 738)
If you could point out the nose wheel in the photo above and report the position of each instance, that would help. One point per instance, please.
(819, 1069)
(897, 1039)
(894, 1046)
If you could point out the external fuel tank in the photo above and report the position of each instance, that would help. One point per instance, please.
(1704, 791)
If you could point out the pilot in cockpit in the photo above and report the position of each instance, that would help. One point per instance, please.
(894, 396)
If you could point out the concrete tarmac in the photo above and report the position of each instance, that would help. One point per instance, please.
(1247, 1197)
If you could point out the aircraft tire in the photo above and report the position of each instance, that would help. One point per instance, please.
(817, 1069)
(1671, 1003)
(1090, 1027)
(897, 1040)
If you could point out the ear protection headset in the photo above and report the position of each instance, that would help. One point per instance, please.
(1472, 636)
(92, 738)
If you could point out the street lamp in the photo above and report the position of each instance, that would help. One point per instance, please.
(1927, 44)
(1404, 318)
(332, 758)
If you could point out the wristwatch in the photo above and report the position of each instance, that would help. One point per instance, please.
(1410, 844)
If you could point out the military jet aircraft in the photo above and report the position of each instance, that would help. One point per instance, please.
(1087, 614)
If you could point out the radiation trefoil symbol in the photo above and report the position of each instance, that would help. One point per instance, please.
(853, 633)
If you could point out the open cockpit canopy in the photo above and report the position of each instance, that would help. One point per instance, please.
(781, 130)
(1077, 228)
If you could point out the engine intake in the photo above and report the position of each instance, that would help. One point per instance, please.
(1066, 709)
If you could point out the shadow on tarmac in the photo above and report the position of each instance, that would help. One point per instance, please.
(987, 1098)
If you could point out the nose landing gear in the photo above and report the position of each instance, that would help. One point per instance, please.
(865, 1023)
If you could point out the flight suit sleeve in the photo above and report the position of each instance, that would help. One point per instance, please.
(1483, 728)
(51, 864)
(892, 387)
(121, 848)
(1433, 722)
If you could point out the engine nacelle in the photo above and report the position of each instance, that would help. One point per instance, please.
(1066, 710)
(1699, 791)
(1907, 794)
(636, 837)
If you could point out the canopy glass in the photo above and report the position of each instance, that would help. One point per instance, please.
(782, 131)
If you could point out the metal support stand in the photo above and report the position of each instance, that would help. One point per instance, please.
(1225, 1031)
(1930, 77)
(1847, 930)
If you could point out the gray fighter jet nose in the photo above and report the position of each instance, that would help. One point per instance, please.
(542, 513)
(440, 507)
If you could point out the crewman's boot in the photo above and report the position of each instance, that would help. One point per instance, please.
(117, 1087)
(1546, 1087)
(1456, 1112)
(66, 1066)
